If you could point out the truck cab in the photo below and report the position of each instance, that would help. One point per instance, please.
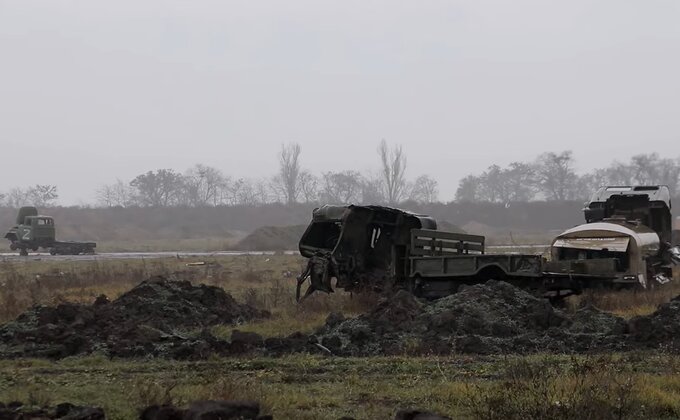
(358, 246)
(37, 229)
(626, 239)
(33, 231)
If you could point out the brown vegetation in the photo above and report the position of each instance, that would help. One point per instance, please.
(265, 281)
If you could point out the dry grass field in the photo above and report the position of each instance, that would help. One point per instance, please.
(616, 386)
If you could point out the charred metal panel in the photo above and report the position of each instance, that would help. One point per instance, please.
(649, 205)
(359, 246)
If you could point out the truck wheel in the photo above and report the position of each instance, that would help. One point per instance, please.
(53, 251)
(13, 246)
(23, 252)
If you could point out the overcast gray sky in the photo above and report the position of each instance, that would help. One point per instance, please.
(91, 91)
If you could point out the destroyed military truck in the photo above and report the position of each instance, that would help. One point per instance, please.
(626, 240)
(376, 247)
(33, 231)
(625, 243)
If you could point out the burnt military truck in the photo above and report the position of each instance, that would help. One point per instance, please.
(376, 247)
(625, 243)
(33, 231)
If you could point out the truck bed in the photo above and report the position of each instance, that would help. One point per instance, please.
(471, 265)
(440, 262)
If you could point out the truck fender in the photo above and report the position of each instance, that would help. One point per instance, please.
(491, 272)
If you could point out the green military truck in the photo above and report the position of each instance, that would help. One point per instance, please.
(626, 242)
(33, 231)
(377, 247)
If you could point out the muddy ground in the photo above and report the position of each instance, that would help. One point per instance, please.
(164, 318)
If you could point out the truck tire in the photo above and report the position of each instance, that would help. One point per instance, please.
(23, 252)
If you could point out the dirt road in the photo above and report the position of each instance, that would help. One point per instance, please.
(44, 256)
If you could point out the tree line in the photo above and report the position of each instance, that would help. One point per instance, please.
(204, 185)
(551, 176)
(36, 195)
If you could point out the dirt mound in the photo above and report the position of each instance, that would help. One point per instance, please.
(660, 329)
(201, 409)
(151, 319)
(247, 410)
(18, 410)
(164, 318)
(206, 409)
(272, 238)
(489, 318)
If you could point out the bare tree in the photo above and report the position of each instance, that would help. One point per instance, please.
(650, 169)
(424, 190)
(123, 194)
(158, 189)
(240, 192)
(499, 185)
(262, 192)
(42, 195)
(555, 176)
(492, 187)
(669, 174)
(308, 186)
(204, 185)
(372, 191)
(393, 172)
(119, 194)
(642, 169)
(17, 197)
(469, 189)
(341, 187)
(231, 193)
(519, 182)
(286, 183)
(105, 196)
